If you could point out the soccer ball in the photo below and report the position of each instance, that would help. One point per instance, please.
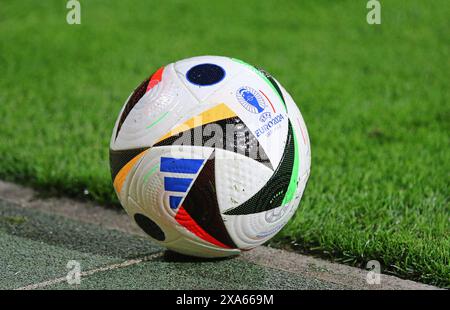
(210, 156)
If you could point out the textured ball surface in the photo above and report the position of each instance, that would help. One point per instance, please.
(210, 156)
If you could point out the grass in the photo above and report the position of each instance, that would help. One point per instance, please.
(375, 99)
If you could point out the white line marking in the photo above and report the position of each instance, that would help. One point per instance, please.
(93, 271)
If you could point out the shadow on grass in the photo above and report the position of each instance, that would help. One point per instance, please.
(174, 257)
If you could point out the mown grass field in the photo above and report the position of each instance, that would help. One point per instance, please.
(375, 100)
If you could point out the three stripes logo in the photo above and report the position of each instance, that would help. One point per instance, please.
(179, 174)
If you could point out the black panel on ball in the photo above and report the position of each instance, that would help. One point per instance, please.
(271, 195)
(149, 227)
(118, 159)
(201, 204)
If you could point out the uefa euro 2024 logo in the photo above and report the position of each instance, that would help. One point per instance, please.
(250, 99)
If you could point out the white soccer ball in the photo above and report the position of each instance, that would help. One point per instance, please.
(210, 156)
